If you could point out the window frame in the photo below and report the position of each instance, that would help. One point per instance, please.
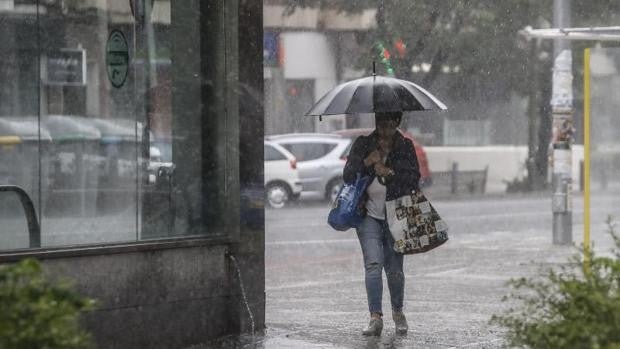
(274, 150)
(286, 145)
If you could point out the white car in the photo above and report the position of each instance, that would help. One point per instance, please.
(281, 175)
(320, 157)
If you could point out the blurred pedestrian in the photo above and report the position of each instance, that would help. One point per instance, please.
(390, 159)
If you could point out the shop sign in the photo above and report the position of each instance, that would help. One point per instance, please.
(66, 67)
(117, 58)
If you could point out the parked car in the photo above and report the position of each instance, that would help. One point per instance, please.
(425, 172)
(282, 181)
(320, 159)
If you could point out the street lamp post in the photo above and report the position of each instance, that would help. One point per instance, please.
(562, 111)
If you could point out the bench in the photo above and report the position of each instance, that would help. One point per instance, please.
(455, 182)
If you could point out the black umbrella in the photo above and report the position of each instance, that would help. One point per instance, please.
(375, 94)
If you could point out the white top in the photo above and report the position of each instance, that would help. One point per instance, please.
(375, 206)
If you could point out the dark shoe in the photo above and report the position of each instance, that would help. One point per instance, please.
(374, 327)
(400, 322)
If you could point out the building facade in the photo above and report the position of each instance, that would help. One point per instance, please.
(134, 128)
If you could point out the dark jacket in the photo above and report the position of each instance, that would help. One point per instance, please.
(401, 159)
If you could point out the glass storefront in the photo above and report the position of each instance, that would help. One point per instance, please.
(116, 121)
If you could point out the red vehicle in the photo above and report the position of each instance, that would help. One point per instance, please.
(425, 172)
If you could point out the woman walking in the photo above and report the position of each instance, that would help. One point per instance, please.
(390, 158)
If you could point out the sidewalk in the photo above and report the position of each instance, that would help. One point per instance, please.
(315, 282)
(451, 293)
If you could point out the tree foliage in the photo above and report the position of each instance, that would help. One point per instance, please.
(480, 37)
(37, 313)
(576, 307)
(478, 42)
(477, 39)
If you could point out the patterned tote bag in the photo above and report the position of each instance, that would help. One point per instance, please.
(414, 224)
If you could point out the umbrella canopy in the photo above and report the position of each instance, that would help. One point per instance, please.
(375, 94)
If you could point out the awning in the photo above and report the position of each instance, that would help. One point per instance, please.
(587, 34)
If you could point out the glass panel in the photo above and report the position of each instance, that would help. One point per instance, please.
(191, 186)
(90, 107)
(104, 119)
(172, 200)
(20, 139)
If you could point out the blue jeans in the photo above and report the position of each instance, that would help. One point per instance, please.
(377, 242)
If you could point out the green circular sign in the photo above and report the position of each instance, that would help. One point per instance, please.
(117, 58)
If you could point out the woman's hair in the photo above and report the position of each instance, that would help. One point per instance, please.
(393, 115)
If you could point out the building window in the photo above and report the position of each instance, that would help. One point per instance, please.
(117, 120)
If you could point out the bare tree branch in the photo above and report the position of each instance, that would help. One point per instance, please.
(422, 41)
(436, 63)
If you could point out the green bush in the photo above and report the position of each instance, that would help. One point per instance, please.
(575, 307)
(36, 313)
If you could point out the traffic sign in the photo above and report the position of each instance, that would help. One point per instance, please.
(117, 58)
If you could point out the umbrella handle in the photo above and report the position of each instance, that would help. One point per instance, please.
(374, 72)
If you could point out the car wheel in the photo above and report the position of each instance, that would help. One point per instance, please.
(277, 195)
(333, 187)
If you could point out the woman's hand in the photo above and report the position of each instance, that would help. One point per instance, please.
(383, 171)
(373, 158)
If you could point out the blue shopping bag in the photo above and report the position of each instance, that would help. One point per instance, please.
(346, 212)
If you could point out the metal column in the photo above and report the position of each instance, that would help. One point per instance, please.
(562, 110)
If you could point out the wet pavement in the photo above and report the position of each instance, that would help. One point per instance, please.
(315, 283)
(451, 293)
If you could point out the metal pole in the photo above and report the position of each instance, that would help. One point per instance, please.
(586, 158)
(562, 111)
